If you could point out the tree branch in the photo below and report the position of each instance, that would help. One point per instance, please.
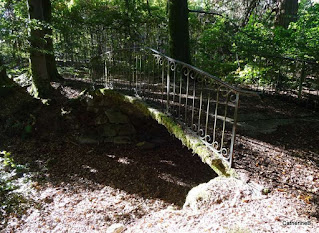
(204, 12)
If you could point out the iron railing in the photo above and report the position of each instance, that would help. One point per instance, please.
(286, 76)
(201, 103)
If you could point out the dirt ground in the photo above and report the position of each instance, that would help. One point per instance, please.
(88, 188)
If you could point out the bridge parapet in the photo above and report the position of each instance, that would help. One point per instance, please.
(202, 104)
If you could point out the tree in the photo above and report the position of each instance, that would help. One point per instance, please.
(40, 75)
(49, 56)
(287, 12)
(4, 80)
(179, 30)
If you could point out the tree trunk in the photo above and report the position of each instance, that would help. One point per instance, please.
(148, 8)
(249, 10)
(287, 12)
(50, 58)
(40, 76)
(178, 30)
(4, 80)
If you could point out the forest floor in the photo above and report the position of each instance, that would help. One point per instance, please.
(58, 185)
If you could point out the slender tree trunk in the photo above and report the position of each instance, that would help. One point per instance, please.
(40, 76)
(50, 58)
(4, 79)
(148, 8)
(178, 30)
(287, 12)
(252, 5)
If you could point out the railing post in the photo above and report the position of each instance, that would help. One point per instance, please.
(186, 100)
(200, 112)
(233, 137)
(301, 80)
(167, 86)
(213, 123)
(162, 86)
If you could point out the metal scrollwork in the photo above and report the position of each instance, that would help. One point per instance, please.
(215, 145)
(185, 70)
(208, 139)
(198, 101)
(202, 133)
(201, 79)
(192, 74)
(232, 97)
(224, 152)
(194, 127)
(173, 66)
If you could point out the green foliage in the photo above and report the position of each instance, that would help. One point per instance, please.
(13, 32)
(220, 45)
(14, 186)
(305, 32)
(256, 53)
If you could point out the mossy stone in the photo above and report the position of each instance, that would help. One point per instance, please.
(122, 140)
(126, 129)
(88, 140)
(109, 130)
(116, 117)
(101, 120)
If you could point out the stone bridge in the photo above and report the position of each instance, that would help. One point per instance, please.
(197, 108)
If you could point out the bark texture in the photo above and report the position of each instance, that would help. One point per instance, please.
(4, 80)
(287, 12)
(40, 76)
(179, 30)
(50, 58)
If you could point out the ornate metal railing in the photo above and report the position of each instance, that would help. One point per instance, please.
(203, 104)
(286, 76)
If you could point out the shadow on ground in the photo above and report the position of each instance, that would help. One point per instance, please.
(280, 147)
(166, 172)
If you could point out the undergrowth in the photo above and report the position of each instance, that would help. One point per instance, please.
(15, 187)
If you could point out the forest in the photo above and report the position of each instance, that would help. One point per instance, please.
(159, 116)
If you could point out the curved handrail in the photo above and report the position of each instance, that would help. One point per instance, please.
(199, 71)
(209, 112)
(235, 89)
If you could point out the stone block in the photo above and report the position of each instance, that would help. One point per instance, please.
(116, 117)
(122, 140)
(101, 120)
(109, 130)
(87, 140)
(116, 228)
(92, 109)
(126, 129)
(90, 102)
(108, 140)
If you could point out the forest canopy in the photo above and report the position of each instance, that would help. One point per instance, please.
(245, 41)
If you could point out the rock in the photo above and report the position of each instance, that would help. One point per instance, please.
(265, 191)
(101, 120)
(122, 140)
(127, 129)
(146, 145)
(109, 130)
(108, 139)
(116, 228)
(116, 117)
(87, 140)
(90, 102)
(220, 190)
(104, 102)
(92, 109)
(199, 193)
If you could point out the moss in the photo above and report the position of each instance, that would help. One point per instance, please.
(190, 141)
